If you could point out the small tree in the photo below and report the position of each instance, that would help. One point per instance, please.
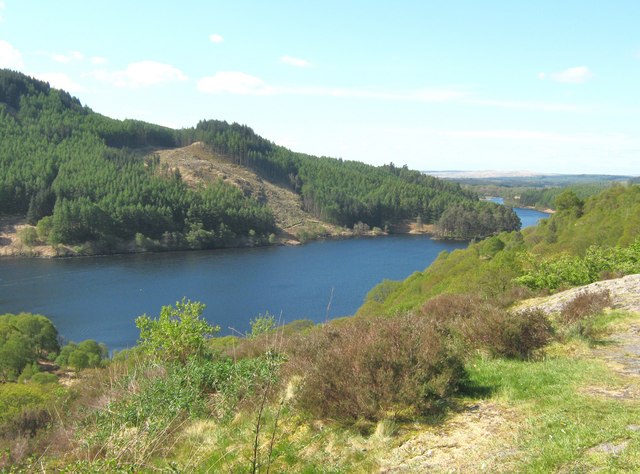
(178, 333)
(262, 324)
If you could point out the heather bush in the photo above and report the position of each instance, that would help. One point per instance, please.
(584, 305)
(374, 368)
(515, 335)
(576, 316)
(477, 323)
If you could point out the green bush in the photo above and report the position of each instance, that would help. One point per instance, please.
(566, 271)
(16, 398)
(87, 354)
(24, 338)
(29, 236)
(177, 334)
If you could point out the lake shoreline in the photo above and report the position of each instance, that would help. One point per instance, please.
(11, 245)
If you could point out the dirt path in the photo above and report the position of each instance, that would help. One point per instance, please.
(480, 438)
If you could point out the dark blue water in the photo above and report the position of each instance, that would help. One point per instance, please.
(100, 297)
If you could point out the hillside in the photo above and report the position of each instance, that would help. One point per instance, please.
(199, 164)
(571, 404)
(552, 249)
(91, 184)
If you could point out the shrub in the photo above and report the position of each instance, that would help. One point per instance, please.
(576, 316)
(369, 368)
(19, 399)
(178, 333)
(584, 305)
(514, 335)
(28, 236)
(84, 355)
(480, 324)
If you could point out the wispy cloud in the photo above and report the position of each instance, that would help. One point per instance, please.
(98, 60)
(60, 80)
(572, 75)
(71, 56)
(531, 135)
(297, 62)
(234, 82)
(216, 38)
(525, 105)
(141, 74)
(10, 57)
(2, 5)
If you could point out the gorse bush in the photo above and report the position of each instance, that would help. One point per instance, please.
(373, 368)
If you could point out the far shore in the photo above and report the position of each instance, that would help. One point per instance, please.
(11, 244)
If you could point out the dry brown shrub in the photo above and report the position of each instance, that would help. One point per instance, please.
(585, 305)
(372, 368)
(480, 324)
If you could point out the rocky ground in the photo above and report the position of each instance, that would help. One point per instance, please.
(625, 295)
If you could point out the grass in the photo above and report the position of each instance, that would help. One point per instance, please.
(567, 425)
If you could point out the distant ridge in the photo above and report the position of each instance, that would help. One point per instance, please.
(488, 174)
(484, 174)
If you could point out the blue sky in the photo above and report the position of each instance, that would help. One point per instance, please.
(545, 86)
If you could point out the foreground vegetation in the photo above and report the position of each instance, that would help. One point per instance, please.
(341, 397)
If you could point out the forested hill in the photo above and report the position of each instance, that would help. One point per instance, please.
(84, 177)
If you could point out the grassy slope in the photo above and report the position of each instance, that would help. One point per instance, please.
(610, 218)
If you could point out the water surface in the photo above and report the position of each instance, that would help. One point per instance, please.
(100, 297)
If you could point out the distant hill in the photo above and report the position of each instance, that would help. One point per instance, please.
(526, 178)
(83, 177)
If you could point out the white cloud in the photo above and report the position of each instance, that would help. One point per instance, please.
(141, 74)
(297, 62)
(572, 75)
(234, 82)
(69, 57)
(216, 38)
(240, 83)
(60, 80)
(10, 57)
(98, 60)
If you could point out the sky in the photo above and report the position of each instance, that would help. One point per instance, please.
(544, 86)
